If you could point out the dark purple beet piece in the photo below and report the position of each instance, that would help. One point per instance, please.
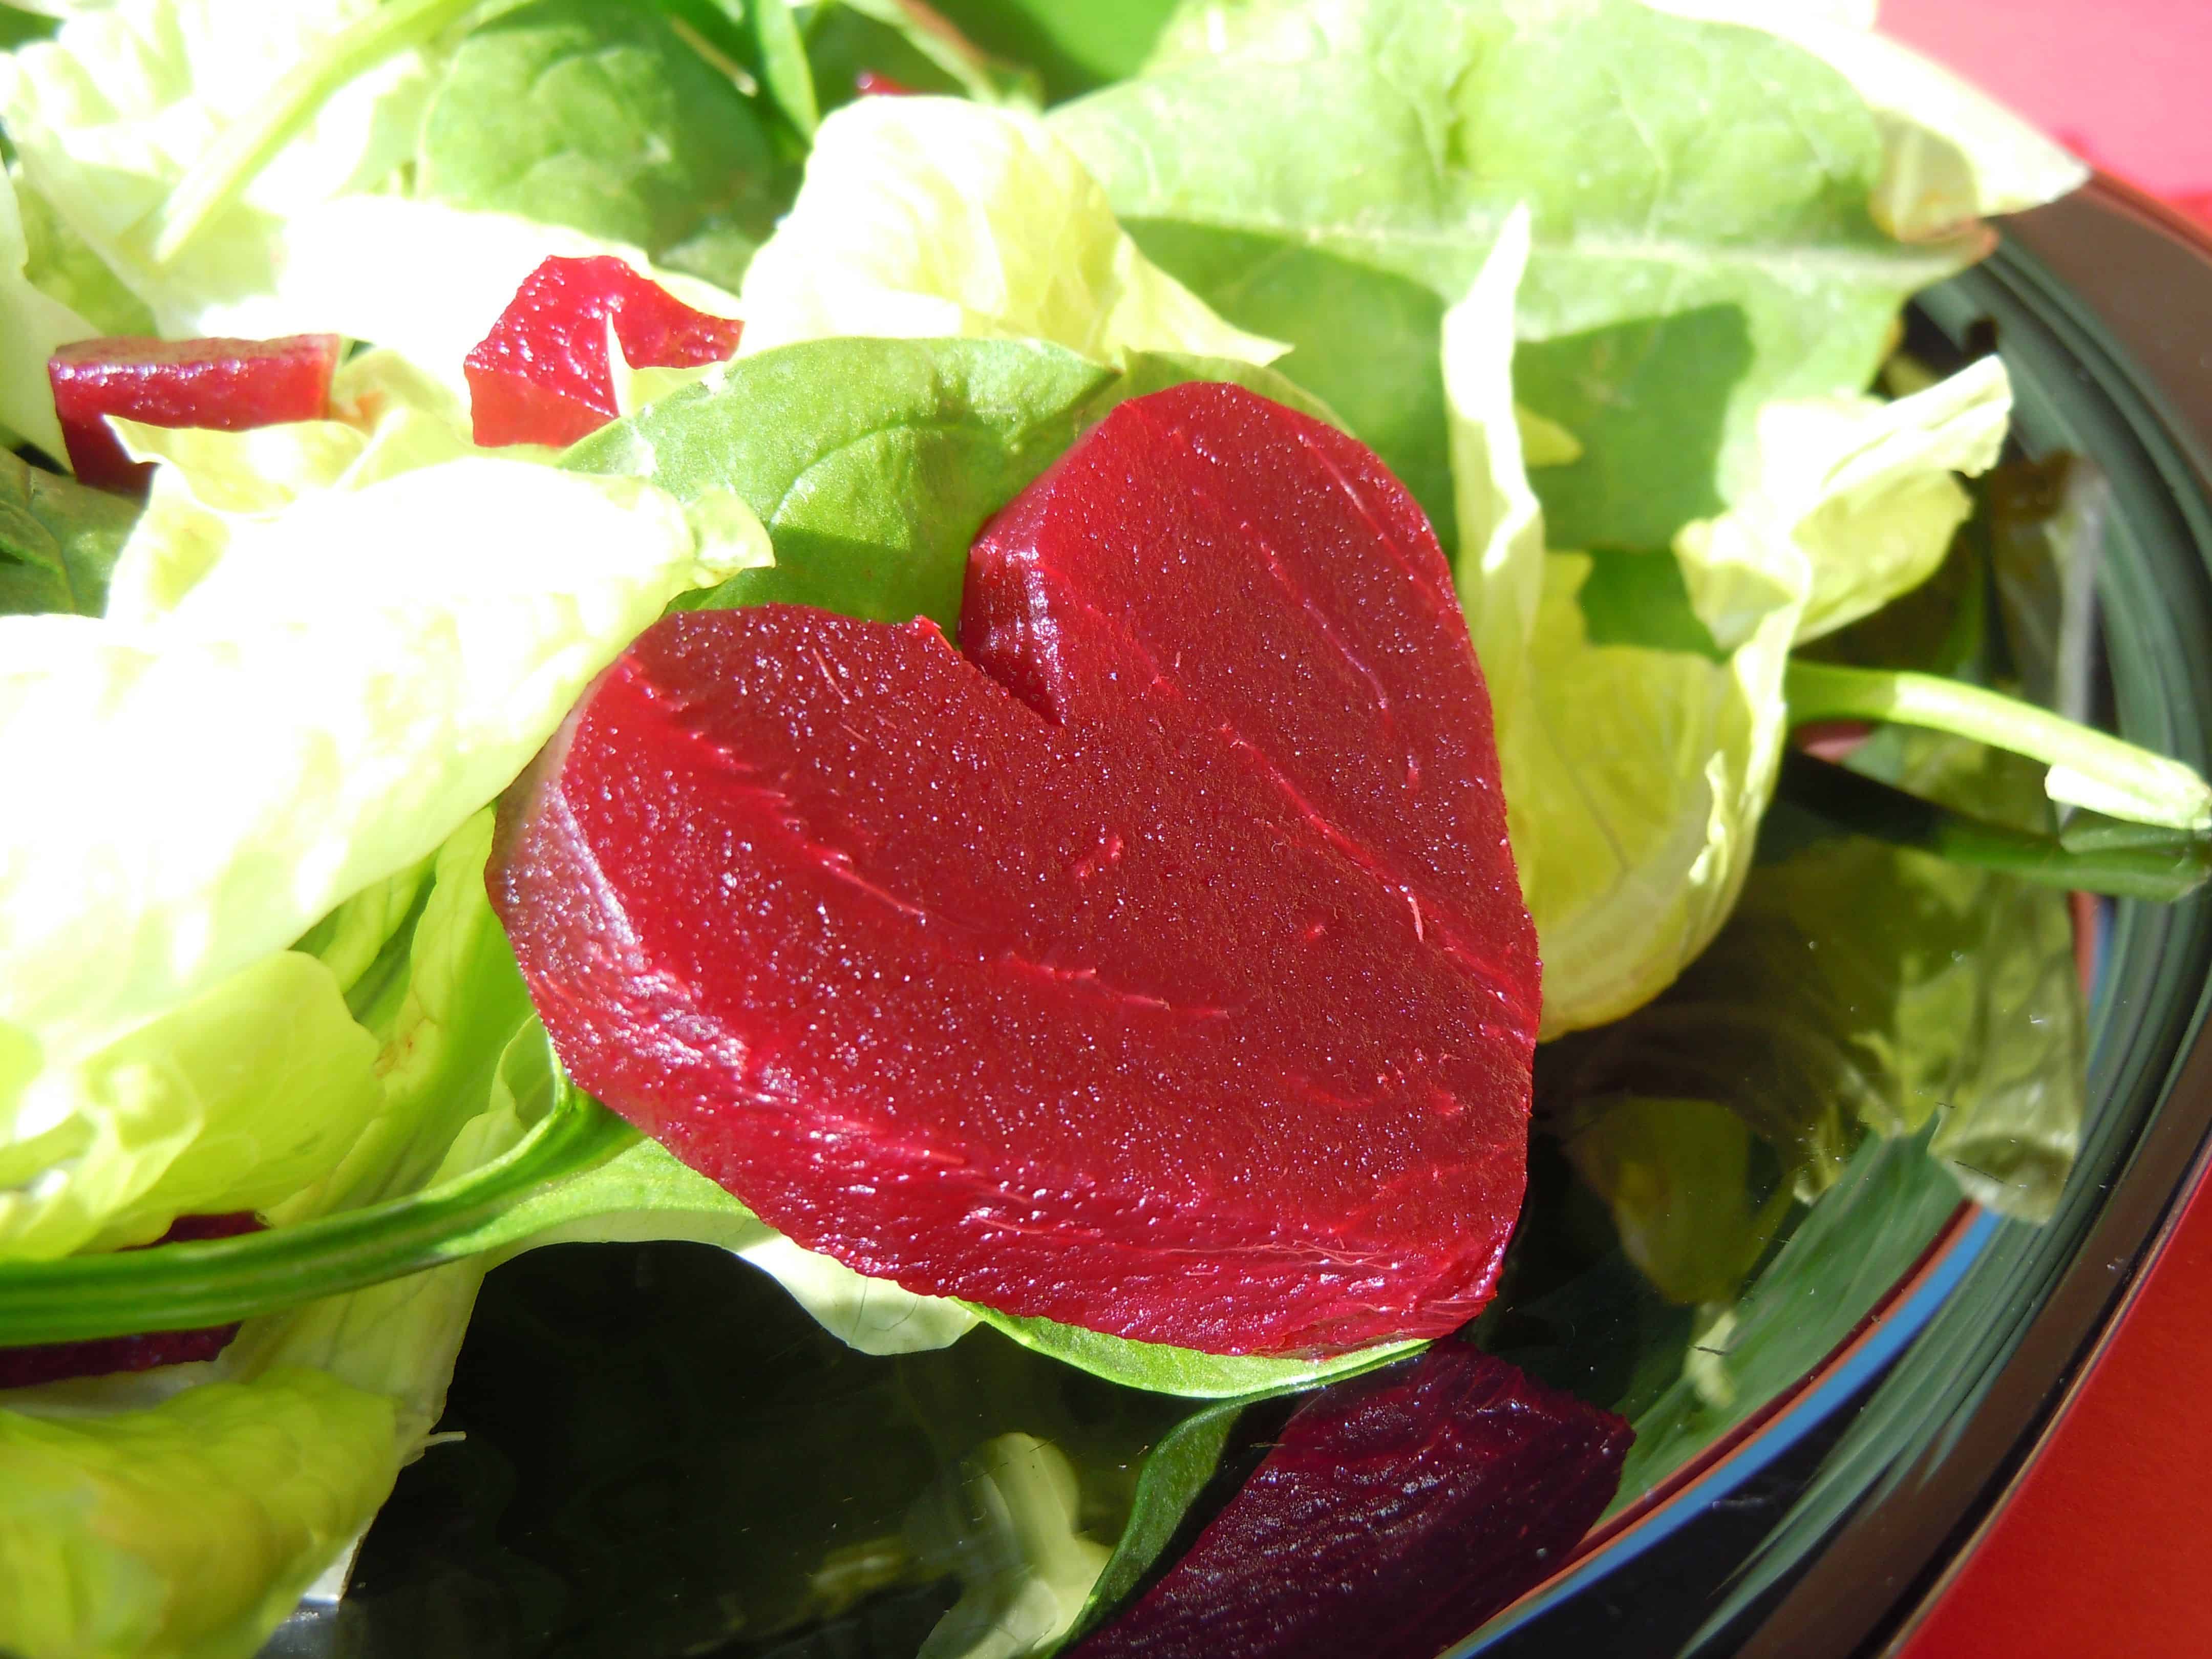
(231, 385)
(50, 1361)
(1169, 976)
(1396, 1513)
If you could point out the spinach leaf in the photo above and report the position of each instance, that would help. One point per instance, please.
(1075, 46)
(58, 540)
(1675, 169)
(611, 122)
(1645, 400)
(872, 463)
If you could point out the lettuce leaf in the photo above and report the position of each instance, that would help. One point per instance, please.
(58, 540)
(1638, 756)
(1861, 986)
(187, 1529)
(933, 216)
(32, 324)
(1863, 488)
(317, 711)
(111, 116)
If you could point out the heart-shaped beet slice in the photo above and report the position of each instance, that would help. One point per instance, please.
(1158, 966)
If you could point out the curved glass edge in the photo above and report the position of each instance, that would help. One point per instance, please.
(1883, 1338)
(1965, 1314)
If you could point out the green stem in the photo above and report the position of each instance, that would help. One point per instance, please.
(2123, 860)
(247, 144)
(2087, 769)
(190, 1287)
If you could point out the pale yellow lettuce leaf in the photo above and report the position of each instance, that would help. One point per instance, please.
(925, 217)
(1862, 488)
(387, 417)
(354, 676)
(1634, 777)
(112, 114)
(1634, 781)
(1501, 562)
(228, 1101)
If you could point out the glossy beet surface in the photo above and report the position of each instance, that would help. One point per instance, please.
(543, 375)
(1159, 966)
(50, 1361)
(232, 385)
(1396, 1512)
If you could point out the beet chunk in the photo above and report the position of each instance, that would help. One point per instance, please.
(1396, 1513)
(230, 385)
(1170, 976)
(542, 374)
(50, 1361)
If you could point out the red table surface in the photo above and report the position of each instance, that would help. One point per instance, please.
(2103, 1545)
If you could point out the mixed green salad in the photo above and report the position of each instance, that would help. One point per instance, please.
(1614, 287)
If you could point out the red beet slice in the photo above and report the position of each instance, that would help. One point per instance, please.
(1186, 992)
(1396, 1513)
(50, 1361)
(541, 376)
(230, 385)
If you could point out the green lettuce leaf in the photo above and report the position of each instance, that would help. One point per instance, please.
(187, 1529)
(372, 686)
(58, 540)
(609, 123)
(1163, 1370)
(32, 324)
(231, 1099)
(387, 418)
(933, 216)
(1683, 177)
(1863, 987)
(198, 1502)
(1951, 154)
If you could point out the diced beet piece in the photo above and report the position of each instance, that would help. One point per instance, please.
(541, 376)
(869, 84)
(1396, 1512)
(1169, 976)
(50, 1361)
(230, 385)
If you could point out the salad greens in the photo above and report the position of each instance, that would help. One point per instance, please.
(1605, 282)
